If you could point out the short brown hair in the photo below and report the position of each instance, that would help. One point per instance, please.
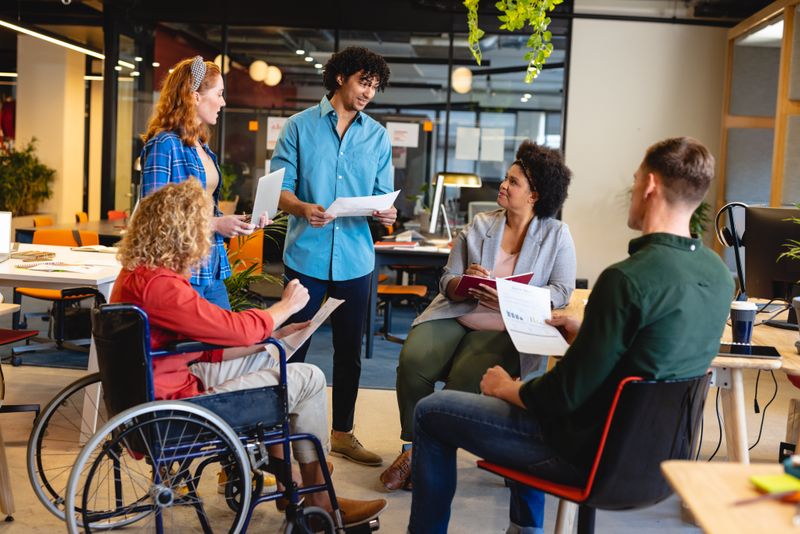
(685, 166)
(170, 228)
(176, 110)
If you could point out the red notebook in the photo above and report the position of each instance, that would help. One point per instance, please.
(468, 282)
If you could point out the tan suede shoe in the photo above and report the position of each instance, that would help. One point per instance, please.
(356, 512)
(349, 447)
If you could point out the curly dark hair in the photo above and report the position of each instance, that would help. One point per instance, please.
(351, 60)
(547, 175)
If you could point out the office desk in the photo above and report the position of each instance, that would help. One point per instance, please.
(709, 489)
(6, 497)
(728, 375)
(109, 231)
(103, 280)
(417, 256)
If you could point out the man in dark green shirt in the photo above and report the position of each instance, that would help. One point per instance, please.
(658, 314)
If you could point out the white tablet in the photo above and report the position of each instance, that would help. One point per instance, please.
(267, 195)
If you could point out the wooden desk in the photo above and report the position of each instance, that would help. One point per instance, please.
(109, 231)
(6, 497)
(419, 256)
(728, 375)
(709, 489)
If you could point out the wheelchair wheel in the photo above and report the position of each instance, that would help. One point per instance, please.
(310, 519)
(147, 465)
(57, 437)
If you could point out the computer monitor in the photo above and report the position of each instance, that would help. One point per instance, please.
(767, 230)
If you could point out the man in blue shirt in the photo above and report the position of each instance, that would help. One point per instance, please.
(328, 151)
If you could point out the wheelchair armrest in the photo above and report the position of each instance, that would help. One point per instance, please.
(181, 347)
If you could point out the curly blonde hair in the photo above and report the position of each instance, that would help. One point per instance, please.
(176, 110)
(170, 228)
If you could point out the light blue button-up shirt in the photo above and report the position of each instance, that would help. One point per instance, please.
(320, 168)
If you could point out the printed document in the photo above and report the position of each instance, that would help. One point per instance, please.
(361, 206)
(294, 341)
(524, 309)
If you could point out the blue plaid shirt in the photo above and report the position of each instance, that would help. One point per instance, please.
(319, 168)
(165, 159)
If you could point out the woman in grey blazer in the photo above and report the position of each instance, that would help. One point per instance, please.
(456, 339)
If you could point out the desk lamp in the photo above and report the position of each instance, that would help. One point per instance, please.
(449, 179)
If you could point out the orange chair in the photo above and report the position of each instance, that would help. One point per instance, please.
(246, 251)
(59, 298)
(391, 294)
(81, 217)
(116, 215)
(42, 220)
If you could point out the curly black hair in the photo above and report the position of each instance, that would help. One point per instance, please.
(351, 60)
(547, 175)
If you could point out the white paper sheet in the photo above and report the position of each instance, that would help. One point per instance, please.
(403, 133)
(58, 267)
(492, 144)
(294, 341)
(467, 141)
(524, 309)
(361, 206)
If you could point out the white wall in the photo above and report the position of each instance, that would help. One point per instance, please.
(631, 84)
(50, 107)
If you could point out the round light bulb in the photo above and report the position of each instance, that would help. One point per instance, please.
(462, 80)
(218, 60)
(258, 70)
(274, 76)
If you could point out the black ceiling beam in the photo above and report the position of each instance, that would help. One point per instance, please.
(514, 69)
(432, 61)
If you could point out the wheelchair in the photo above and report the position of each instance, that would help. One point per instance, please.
(197, 464)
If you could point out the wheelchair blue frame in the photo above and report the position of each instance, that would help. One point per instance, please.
(250, 425)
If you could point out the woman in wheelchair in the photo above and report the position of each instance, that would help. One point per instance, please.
(169, 235)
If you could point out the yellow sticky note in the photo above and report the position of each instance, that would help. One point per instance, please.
(775, 483)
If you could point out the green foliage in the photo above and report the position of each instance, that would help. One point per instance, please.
(229, 177)
(700, 219)
(515, 14)
(792, 246)
(24, 180)
(241, 278)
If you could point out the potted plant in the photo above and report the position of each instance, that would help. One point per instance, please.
(700, 219)
(228, 199)
(24, 180)
(793, 252)
(247, 272)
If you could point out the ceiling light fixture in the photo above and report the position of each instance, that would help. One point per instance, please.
(318, 65)
(309, 59)
(137, 59)
(461, 80)
(135, 73)
(258, 70)
(274, 76)
(59, 42)
(156, 64)
(117, 68)
(8, 74)
(218, 61)
(299, 51)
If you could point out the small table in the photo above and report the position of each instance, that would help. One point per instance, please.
(710, 489)
(109, 232)
(417, 256)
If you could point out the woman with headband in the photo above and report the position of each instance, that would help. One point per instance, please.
(176, 148)
(457, 338)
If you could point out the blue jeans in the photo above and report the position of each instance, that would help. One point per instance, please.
(496, 431)
(214, 292)
(347, 327)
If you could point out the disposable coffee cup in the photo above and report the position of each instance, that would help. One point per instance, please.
(743, 315)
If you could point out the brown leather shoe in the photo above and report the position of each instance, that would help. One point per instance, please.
(356, 512)
(399, 473)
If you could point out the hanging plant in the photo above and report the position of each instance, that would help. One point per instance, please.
(515, 14)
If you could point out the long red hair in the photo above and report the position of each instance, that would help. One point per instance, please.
(176, 110)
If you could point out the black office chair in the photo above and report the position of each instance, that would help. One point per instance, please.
(649, 421)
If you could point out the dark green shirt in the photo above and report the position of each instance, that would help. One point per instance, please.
(658, 314)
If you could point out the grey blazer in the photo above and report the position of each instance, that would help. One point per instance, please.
(548, 251)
